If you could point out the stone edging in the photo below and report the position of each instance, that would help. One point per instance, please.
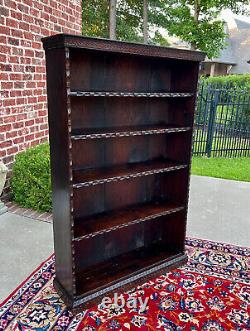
(15, 209)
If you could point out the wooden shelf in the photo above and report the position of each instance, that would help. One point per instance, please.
(114, 269)
(86, 228)
(130, 94)
(85, 178)
(118, 132)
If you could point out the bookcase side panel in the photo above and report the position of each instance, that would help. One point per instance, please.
(60, 165)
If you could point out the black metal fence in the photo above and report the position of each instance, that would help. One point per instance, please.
(222, 122)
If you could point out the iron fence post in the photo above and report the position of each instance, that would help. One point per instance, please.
(211, 122)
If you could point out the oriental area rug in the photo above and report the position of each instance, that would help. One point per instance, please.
(210, 293)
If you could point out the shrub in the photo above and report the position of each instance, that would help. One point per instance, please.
(31, 182)
(232, 81)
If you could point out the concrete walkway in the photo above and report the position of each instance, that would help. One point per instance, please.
(219, 210)
(24, 244)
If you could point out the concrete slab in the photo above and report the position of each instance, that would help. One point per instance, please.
(24, 244)
(219, 210)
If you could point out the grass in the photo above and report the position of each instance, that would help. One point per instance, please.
(235, 168)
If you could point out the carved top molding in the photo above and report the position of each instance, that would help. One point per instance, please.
(106, 45)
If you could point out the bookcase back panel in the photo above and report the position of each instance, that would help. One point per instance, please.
(101, 112)
(100, 198)
(108, 245)
(98, 153)
(110, 255)
(111, 72)
(174, 147)
(180, 80)
(96, 199)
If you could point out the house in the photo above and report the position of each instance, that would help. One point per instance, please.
(235, 58)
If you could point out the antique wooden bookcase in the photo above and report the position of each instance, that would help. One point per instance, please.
(120, 125)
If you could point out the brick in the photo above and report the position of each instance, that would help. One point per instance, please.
(17, 51)
(18, 125)
(5, 144)
(9, 102)
(9, 119)
(31, 84)
(11, 134)
(18, 140)
(43, 126)
(30, 69)
(5, 67)
(29, 137)
(4, 76)
(4, 49)
(18, 85)
(28, 19)
(10, 22)
(24, 26)
(13, 41)
(16, 94)
(19, 101)
(12, 4)
(29, 123)
(7, 85)
(3, 39)
(23, 8)
(12, 150)
(5, 30)
(4, 11)
(17, 15)
(2, 153)
(29, 52)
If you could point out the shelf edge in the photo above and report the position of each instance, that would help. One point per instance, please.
(129, 176)
(129, 133)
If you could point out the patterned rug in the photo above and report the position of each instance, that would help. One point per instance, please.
(210, 293)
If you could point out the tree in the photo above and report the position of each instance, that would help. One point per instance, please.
(195, 21)
(112, 19)
(145, 21)
(95, 18)
(130, 23)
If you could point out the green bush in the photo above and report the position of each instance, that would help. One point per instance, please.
(31, 182)
(232, 86)
(232, 81)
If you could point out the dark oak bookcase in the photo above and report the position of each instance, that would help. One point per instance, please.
(120, 125)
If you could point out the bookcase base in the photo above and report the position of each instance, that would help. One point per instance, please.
(87, 300)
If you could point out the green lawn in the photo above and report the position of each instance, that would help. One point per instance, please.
(235, 168)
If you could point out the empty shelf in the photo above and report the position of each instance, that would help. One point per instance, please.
(99, 133)
(130, 94)
(141, 261)
(83, 178)
(110, 221)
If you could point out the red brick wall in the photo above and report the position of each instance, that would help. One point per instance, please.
(23, 104)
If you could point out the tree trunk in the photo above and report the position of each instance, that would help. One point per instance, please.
(112, 19)
(145, 21)
(196, 17)
(196, 11)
